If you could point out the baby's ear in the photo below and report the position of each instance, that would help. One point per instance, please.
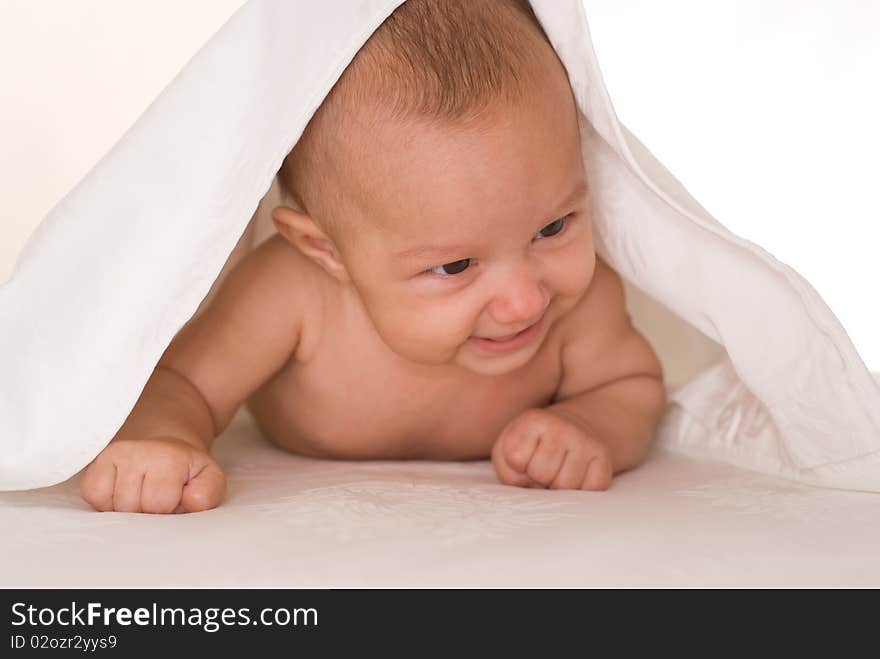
(301, 231)
(288, 221)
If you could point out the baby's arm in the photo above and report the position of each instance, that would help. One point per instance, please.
(605, 410)
(158, 460)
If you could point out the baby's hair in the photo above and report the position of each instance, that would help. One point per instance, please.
(442, 61)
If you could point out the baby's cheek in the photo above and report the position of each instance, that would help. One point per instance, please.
(422, 335)
(583, 269)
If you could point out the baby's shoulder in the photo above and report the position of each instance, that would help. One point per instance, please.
(286, 262)
(296, 280)
(290, 268)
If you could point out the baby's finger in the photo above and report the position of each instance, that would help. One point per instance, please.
(518, 447)
(97, 483)
(507, 474)
(571, 475)
(547, 460)
(162, 490)
(127, 491)
(205, 489)
(599, 474)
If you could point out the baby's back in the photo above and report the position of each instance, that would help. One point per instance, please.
(345, 394)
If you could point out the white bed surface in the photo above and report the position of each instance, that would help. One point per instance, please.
(290, 521)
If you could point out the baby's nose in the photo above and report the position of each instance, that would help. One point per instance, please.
(521, 298)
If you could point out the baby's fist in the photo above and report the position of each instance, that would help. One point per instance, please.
(155, 475)
(542, 448)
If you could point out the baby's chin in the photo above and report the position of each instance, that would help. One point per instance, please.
(492, 369)
(469, 359)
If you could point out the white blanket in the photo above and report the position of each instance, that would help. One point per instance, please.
(290, 521)
(93, 302)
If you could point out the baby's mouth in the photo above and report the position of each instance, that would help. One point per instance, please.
(501, 339)
(511, 342)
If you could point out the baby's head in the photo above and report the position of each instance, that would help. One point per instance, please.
(441, 183)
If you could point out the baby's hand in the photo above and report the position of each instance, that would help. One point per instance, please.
(153, 476)
(541, 448)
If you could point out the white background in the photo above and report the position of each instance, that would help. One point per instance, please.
(766, 111)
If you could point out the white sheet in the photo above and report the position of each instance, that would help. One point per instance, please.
(93, 302)
(294, 521)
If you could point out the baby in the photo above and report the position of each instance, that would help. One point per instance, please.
(432, 290)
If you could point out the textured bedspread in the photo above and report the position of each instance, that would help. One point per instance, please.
(294, 521)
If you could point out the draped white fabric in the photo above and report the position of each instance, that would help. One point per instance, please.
(94, 302)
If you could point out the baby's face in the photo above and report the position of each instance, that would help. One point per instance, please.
(474, 234)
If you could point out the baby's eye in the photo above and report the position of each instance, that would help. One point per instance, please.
(452, 268)
(553, 228)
